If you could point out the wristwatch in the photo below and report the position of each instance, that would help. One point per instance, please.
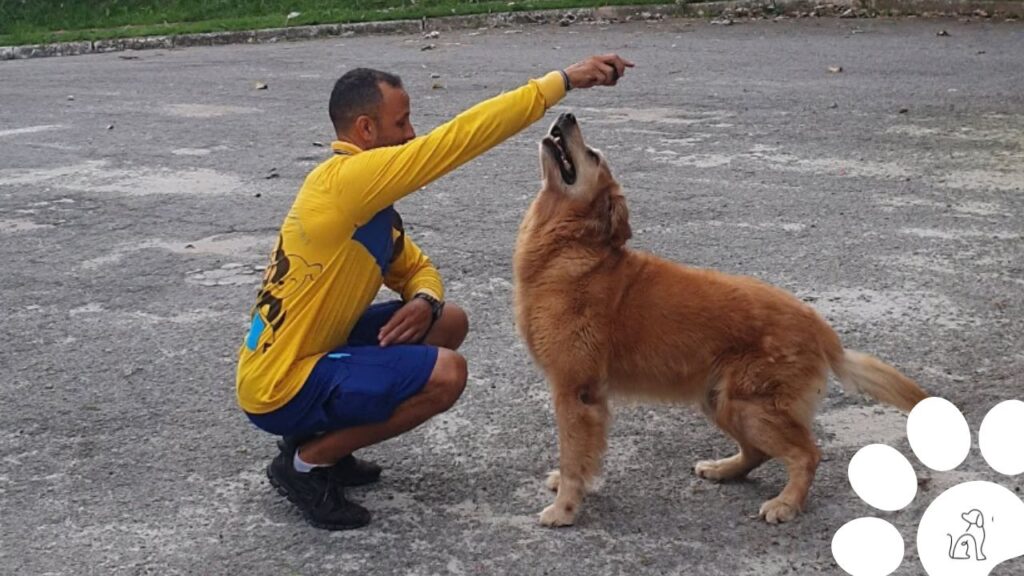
(436, 306)
(565, 79)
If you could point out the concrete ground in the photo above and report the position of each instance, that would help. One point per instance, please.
(135, 219)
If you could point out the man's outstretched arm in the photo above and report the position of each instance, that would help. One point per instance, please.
(383, 175)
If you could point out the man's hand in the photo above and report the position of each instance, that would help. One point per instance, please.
(597, 71)
(409, 325)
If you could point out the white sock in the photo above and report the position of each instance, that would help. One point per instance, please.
(301, 465)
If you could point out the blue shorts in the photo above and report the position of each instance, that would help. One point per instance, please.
(359, 383)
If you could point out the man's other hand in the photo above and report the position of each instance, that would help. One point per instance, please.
(409, 325)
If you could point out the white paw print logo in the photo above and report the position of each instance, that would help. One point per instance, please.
(970, 528)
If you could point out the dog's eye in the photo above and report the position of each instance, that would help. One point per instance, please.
(593, 155)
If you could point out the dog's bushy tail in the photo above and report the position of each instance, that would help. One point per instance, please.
(865, 374)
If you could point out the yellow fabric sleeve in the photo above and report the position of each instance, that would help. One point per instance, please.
(413, 272)
(384, 175)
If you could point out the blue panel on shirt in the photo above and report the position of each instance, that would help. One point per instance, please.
(375, 236)
(255, 331)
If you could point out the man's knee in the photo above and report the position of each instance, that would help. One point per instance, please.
(451, 328)
(448, 379)
(460, 325)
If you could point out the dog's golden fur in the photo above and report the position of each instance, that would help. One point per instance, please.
(603, 320)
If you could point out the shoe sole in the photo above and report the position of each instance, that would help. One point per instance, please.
(356, 484)
(305, 515)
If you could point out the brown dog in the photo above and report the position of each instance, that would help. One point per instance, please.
(603, 320)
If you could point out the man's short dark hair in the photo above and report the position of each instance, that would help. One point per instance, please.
(358, 93)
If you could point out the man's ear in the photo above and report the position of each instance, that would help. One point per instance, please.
(366, 128)
(618, 220)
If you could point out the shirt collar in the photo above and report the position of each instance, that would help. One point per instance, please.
(342, 147)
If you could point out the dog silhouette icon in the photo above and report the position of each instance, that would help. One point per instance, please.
(972, 540)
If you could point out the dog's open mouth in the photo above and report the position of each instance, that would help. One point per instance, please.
(556, 145)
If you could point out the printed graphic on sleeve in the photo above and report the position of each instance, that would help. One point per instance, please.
(967, 530)
(287, 275)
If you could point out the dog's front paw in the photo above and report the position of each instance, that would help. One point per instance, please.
(553, 480)
(777, 511)
(556, 515)
(709, 469)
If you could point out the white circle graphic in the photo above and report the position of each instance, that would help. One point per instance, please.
(868, 547)
(883, 477)
(1001, 437)
(938, 434)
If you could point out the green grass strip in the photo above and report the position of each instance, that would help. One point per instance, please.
(45, 21)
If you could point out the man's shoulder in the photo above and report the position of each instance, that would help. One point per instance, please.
(326, 169)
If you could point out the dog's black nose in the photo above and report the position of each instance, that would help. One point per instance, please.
(568, 118)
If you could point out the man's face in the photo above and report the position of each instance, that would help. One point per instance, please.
(393, 124)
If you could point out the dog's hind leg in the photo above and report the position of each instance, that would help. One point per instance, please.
(734, 467)
(582, 414)
(779, 435)
(731, 417)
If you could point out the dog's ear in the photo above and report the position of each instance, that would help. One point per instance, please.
(974, 517)
(618, 220)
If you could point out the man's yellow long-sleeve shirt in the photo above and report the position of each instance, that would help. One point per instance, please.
(340, 242)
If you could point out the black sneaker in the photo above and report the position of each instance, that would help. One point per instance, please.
(317, 495)
(349, 471)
